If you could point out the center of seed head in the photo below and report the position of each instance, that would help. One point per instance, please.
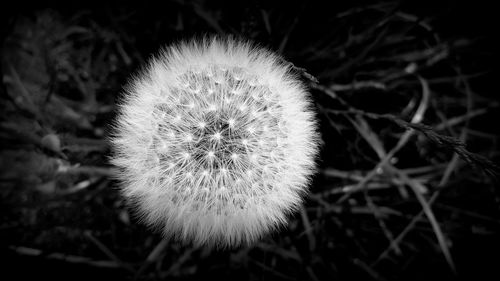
(216, 123)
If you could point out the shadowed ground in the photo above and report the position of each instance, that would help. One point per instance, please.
(399, 89)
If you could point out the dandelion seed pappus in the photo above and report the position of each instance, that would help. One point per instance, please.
(215, 142)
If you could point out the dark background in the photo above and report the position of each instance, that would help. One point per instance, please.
(63, 69)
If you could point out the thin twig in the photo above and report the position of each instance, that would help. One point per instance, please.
(64, 257)
(308, 229)
(415, 187)
(107, 251)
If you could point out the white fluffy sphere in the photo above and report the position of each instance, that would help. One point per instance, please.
(215, 142)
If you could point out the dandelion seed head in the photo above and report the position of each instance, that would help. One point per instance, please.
(216, 142)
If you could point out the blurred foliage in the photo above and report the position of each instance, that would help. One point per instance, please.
(398, 195)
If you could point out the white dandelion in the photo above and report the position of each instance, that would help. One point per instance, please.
(215, 142)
